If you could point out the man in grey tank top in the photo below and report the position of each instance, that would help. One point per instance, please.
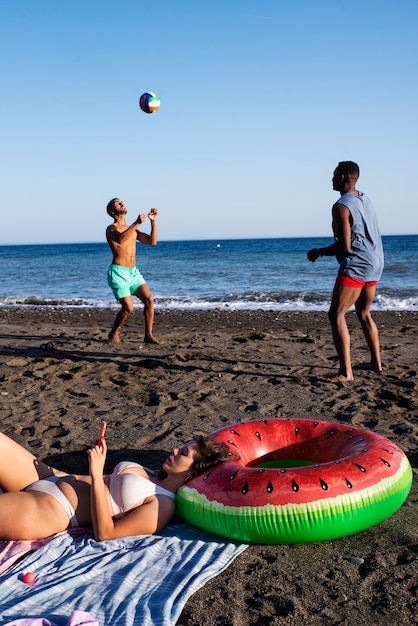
(359, 251)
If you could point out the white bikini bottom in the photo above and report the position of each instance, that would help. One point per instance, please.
(47, 485)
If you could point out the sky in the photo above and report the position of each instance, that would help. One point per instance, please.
(259, 102)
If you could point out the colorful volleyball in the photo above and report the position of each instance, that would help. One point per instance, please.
(149, 102)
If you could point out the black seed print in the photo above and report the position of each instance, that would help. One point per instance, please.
(231, 443)
(324, 485)
(349, 485)
(234, 432)
(388, 451)
(261, 470)
(361, 468)
(207, 476)
(257, 434)
(269, 487)
(295, 486)
(385, 462)
(234, 475)
(245, 489)
(283, 471)
(297, 430)
(331, 433)
(315, 424)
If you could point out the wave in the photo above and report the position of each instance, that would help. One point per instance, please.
(60, 303)
(268, 301)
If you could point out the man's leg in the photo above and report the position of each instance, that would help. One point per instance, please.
(144, 294)
(368, 325)
(342, 299)
(126, 310)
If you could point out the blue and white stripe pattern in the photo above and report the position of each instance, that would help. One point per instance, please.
(134, 581)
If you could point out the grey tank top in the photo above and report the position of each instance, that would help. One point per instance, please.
(365, 260)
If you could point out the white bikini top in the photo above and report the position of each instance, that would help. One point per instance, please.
(127, 490)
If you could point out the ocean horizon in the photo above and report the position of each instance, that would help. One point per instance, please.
(242, 274)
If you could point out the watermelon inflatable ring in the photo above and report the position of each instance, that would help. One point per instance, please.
(297, 481)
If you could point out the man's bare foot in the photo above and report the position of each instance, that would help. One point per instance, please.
(371, 367)
(150, 339)
(114, 338)
(338, 378)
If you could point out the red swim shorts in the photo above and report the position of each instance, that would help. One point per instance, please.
(355, 283)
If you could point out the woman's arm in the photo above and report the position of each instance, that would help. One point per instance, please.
(148, 518)
(154, 514)
(100, 509)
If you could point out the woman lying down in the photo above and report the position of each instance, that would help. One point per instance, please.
(39, 500)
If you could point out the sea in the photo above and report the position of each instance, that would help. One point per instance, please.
(245, 274)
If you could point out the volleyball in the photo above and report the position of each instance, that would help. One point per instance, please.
(149, 102)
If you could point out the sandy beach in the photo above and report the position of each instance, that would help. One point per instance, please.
(60, 377)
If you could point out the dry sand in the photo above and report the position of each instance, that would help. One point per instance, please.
(59, 378)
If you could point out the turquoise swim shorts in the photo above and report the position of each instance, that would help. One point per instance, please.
(124, 281)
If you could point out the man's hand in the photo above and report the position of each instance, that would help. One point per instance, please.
(153, 214)
(313, 254)
(141, 218)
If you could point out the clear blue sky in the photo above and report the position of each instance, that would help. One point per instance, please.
(259, 101)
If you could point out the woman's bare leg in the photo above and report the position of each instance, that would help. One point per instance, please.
(30, 515)
(19, 467)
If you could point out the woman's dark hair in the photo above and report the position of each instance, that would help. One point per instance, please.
(209, 453)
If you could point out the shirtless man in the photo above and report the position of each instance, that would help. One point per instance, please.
(359, 251)
(123, 277)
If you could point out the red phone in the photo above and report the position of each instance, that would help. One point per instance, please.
(102, 433)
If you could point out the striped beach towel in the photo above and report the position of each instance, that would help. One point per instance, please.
(133, 581)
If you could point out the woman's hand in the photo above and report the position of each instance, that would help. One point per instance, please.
(97, 458)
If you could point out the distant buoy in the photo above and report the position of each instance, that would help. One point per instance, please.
(149, 102)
